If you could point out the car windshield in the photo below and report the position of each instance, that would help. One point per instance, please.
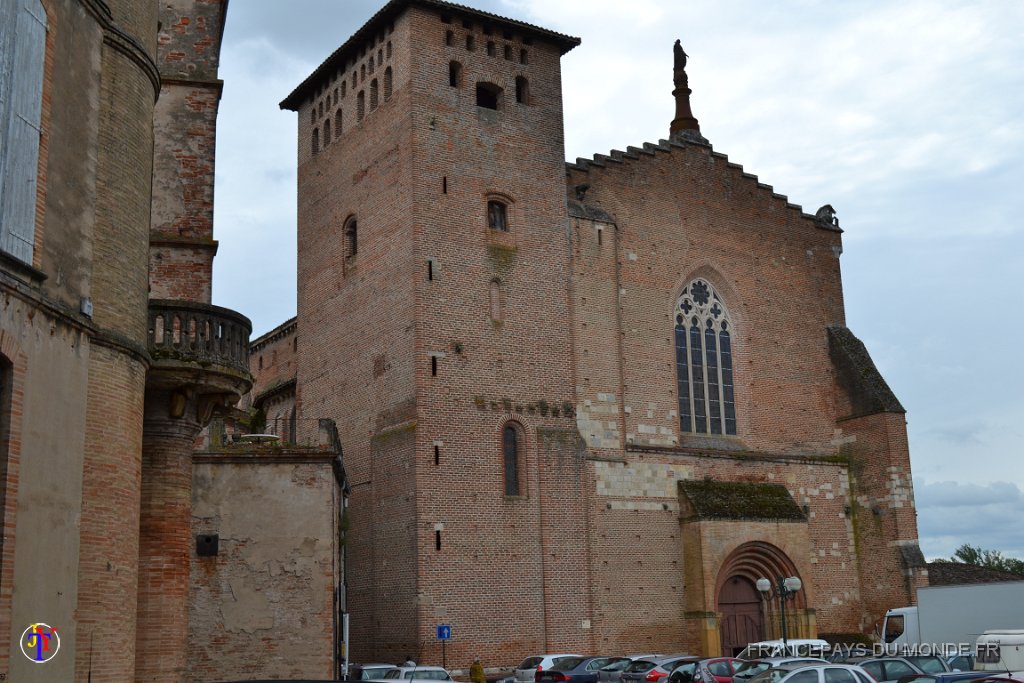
(617, 666)
(566, 663)
(929, 665)
(752, 667)
(640, 666)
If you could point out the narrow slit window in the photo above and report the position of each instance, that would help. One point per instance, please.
(444, 185)
(437, 454)
(360, 105)
(316, 141)
(373, 94)
(387, 83)
(327, 132)
(433, 366)
(511, 447)
(437, 540)
(337, 124)
(430, 270)
(351, 235)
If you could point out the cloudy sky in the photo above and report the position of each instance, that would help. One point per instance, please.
(905, 116)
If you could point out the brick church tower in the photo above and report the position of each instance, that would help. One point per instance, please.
(584, 407)
(432, 226)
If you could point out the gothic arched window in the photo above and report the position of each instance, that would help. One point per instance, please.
(704, 362)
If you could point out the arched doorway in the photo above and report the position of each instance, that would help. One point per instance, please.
(742, 615)
(746, 616)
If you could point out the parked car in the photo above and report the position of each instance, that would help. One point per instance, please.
(574, 669)
(751, 667)
(527, 670)
(366, 672)
(948, 677)
(960, 662)
(651, 669)
(706, 670)
(415, 673)
(611, 672)
(929, 664)
(884, 669)
(828, 672)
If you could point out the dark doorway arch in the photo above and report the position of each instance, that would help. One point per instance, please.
(742, 615)
(736, 591)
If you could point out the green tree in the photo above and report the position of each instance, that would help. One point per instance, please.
(992, 559)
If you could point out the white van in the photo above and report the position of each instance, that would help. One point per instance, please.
(794, 647)
(1000, 650)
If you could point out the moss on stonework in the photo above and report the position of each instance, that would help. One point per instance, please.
(502, 258)
(712, 499)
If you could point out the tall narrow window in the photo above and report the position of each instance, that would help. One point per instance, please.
(373, 94)
(455, 74)
(337, 124)
(387, 83)
(497, 215)
(351, 234)
(360, 105)
(327, 131)
(524, 57)
(449, 38)
(511, 445)
(316, 141)
(495, 300)
(704, 362)
(22, 51)
(522, 90)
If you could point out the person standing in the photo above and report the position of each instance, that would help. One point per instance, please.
(476, 672)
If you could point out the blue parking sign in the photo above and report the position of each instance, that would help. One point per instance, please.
(444, 632)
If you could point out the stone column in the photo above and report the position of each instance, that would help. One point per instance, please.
(170, 429)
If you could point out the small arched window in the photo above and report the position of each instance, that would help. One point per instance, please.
(522, 90)
(344, 88)
(360, 105)
(497, 215)
(488, 95)
(387, 83)
(315, 143)
(351, 236)
(704, 361)
(455, 74)
(337, 123)
(512, 454)
(327, 132)
(374, 97)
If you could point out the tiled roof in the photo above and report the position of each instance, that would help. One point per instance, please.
(392, 10)
(954, 573)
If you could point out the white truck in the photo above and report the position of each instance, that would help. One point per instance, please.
(949, 619)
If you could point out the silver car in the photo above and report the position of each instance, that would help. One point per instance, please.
(528, 668)
(610, 673)
(813, 673)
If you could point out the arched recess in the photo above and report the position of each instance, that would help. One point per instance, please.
(747, 616)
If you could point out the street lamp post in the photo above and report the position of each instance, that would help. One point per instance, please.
(785, 589)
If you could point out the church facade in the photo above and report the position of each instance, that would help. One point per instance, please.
(584, 406)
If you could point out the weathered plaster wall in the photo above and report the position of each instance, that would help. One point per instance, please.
(263, 606)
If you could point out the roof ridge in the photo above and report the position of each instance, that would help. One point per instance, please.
(632, 153)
